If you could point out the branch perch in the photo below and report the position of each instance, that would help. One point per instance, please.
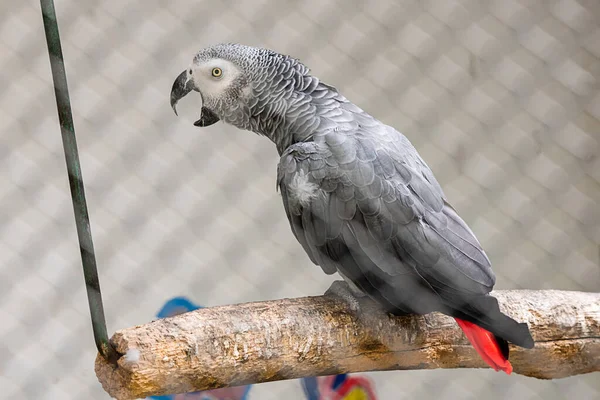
(293, 338)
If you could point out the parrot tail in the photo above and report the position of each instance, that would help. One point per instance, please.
(492, 349)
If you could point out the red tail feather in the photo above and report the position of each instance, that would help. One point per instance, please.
(485, 343)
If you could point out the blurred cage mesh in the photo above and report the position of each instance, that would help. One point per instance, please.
(501, 98)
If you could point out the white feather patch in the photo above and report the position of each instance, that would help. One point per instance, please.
(302, 190)
(132, 356)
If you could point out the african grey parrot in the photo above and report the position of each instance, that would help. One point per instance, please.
(359, 198)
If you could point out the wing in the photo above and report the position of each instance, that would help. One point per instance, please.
(372, 209)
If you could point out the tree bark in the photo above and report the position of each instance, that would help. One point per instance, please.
(293, 338)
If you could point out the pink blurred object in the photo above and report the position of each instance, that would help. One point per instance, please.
(232, 393)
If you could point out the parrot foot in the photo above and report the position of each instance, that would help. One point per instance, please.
(345, 292)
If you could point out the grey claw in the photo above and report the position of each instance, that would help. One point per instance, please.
(342, 290)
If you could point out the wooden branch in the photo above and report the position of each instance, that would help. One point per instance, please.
(294, 338)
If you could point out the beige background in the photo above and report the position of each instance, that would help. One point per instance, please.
(501, 97)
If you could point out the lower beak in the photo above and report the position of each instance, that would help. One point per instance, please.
(181, 87)
(207, 118)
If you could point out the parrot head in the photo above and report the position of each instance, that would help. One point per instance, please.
(224, 75)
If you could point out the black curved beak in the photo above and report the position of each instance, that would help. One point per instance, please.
(181, 87)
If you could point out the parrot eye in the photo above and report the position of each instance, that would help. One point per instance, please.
(217, 72)
(190, 71)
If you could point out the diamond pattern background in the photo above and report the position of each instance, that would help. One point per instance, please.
(501, 98)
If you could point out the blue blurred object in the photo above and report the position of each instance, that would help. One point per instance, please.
(310, 387)
(176, 306)
(338, 380)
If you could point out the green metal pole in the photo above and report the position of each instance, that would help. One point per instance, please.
(82, 220)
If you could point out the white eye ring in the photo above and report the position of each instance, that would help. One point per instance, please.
(217, 72)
